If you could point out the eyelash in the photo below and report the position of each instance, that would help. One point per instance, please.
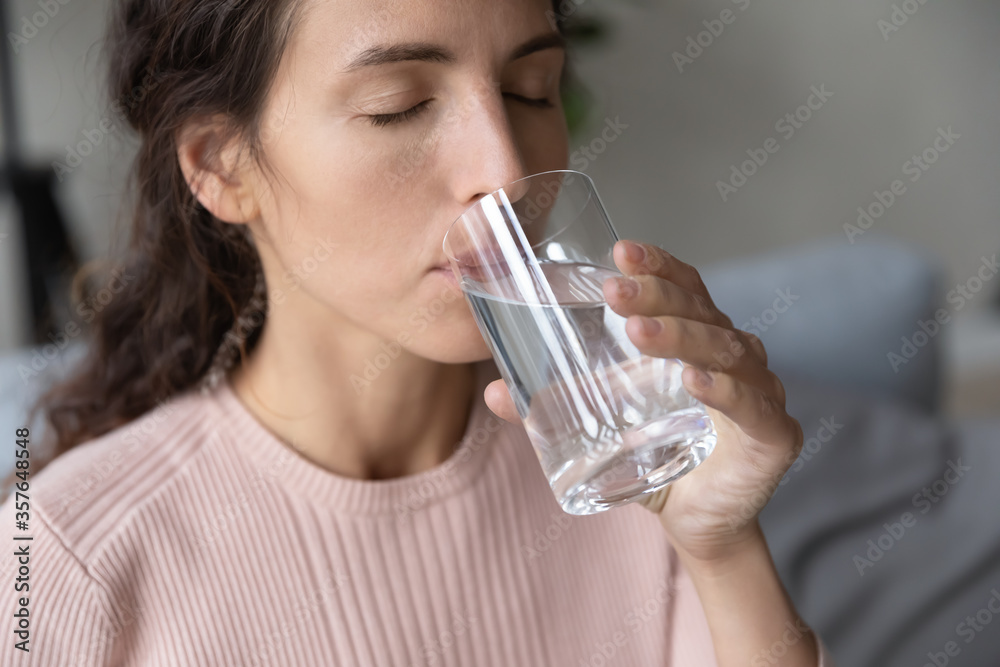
(381, 120)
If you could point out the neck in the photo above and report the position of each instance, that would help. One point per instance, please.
(314, 395)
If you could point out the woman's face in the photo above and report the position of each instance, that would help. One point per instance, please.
(351, 229)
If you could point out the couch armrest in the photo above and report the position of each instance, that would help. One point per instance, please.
(832, 312)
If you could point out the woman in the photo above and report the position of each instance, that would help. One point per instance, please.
(300, 161)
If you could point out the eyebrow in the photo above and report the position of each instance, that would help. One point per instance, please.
(422, 51)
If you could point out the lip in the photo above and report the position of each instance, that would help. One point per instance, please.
(446, 273)
(480, 268)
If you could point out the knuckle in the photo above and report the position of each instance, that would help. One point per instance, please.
(733, 342)
(766, 406)
(702, 308)
(657, 257)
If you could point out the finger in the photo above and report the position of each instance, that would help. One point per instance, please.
(651, 296)
(706, 346)
(757, 345)
(756, 413)
(498, 400)
(658, 262)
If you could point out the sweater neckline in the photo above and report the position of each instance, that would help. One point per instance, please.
(278, 462)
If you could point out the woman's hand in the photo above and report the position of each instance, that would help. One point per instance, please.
(710, 511)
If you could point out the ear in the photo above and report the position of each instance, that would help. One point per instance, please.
(208, 158)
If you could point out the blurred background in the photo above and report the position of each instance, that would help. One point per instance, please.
(743, 136)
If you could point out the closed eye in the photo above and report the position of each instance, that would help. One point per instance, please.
(381, 120)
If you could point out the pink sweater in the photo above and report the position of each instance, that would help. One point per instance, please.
(193, 536)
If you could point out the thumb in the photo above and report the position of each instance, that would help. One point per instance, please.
(499, 401)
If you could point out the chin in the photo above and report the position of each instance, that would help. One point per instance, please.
(456, 345)
(466, 352)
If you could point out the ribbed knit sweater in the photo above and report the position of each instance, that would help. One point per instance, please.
(194, 536)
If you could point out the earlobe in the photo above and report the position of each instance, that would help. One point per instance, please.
(216, 183)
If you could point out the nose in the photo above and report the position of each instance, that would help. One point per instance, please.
(488, 154)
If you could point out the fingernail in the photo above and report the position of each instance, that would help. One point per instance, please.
(627, 288)
(702, 380)
(635, 252)
(651, 326)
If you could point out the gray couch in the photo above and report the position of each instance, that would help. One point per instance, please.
(884, 530)
(829, 313)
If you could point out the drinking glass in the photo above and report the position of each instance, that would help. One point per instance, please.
(608, 423)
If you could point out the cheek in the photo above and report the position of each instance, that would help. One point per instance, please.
(331, 229)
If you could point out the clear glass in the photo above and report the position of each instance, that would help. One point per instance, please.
(608, 423)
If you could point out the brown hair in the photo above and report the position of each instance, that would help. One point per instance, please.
(190, 276)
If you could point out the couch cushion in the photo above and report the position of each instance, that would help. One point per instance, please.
(833, 312)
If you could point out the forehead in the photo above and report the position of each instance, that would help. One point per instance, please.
(332, 34)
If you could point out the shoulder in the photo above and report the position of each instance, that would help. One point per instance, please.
(90, 492)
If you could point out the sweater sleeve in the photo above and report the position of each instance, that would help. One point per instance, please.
(48, 595)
